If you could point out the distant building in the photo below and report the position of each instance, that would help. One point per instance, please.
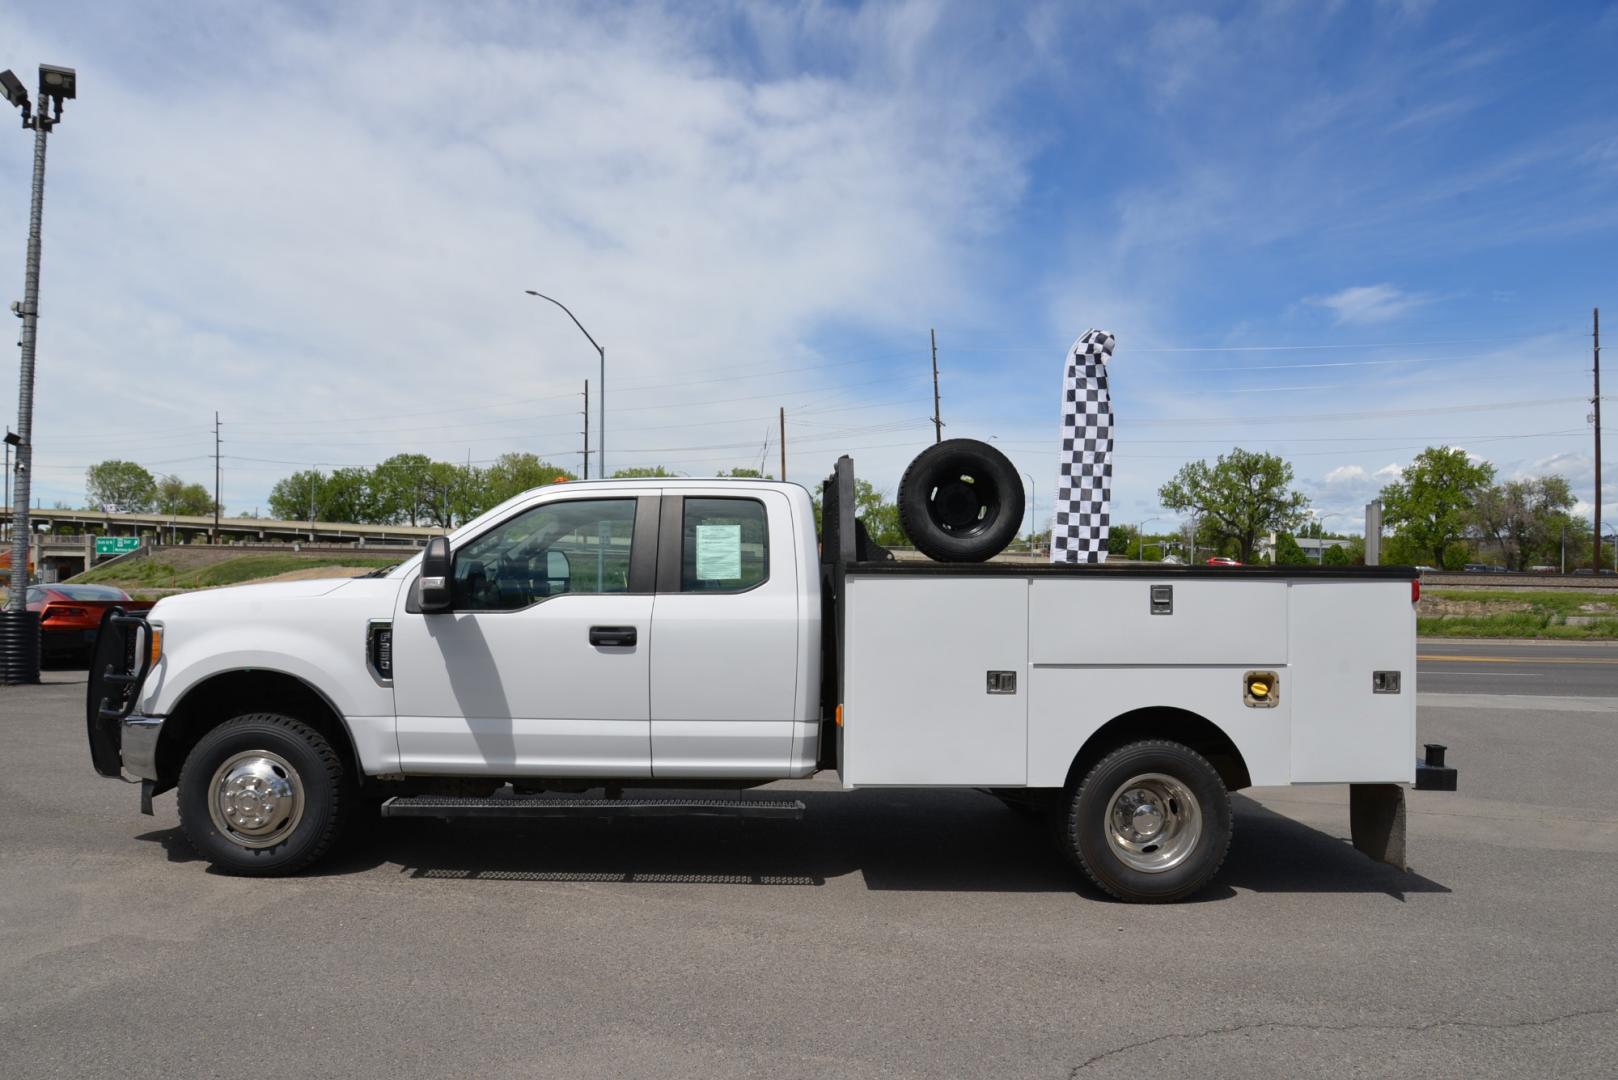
(1314, 548)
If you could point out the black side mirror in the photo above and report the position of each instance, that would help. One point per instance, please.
(436, 570)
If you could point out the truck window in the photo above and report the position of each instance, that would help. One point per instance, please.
(580, 546)
(726, 546)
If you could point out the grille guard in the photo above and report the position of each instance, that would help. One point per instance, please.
(120, 663)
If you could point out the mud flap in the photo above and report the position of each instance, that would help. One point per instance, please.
(1376, 821)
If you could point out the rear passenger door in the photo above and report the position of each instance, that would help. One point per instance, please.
(725, 631)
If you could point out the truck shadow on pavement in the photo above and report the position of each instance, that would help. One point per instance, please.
(896, 840)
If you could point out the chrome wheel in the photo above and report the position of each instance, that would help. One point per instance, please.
(1153, 822)
(255, 799)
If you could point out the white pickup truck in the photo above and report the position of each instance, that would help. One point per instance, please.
(630, 635)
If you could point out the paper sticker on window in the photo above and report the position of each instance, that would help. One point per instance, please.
(719, 552)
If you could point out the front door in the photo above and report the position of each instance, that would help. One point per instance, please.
(541, 667)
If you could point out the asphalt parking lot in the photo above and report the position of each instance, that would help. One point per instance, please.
(890, 933)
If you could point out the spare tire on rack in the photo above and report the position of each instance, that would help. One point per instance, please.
(961, 500)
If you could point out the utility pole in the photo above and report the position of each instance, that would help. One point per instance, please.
(214, 538)
(1595, 560)
(587, 429)
(938, 417)
(783, 442)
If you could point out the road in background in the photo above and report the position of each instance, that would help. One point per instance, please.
(1560, 668)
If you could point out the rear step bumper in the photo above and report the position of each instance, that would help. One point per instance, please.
(521, 806)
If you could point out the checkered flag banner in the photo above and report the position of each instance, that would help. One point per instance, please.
(1084, 488)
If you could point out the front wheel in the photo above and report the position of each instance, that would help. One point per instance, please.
(263, 795)
(1150, 822)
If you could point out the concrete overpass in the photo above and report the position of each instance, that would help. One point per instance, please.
(64, 540)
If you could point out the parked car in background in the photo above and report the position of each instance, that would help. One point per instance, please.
(1222, 560)
(70, 615)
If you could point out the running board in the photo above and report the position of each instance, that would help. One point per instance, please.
(523, 806)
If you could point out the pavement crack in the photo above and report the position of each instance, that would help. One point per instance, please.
(1231, 1029)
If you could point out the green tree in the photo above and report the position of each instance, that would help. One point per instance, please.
(745, 474)
(1526, 519)
(639, 471)
(451, 493)
(512, 474)
(175, 496)
(1431, 504)
(881, 517)
(1335, 556)
(346, 495)
(298, 497)
(1122, 541)
(402, 486)
(1287, 551)
(120, 484)
(1238, 498)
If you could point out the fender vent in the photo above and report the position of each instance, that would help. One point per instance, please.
(379, 650)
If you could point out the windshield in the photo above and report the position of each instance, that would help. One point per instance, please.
(91, 592)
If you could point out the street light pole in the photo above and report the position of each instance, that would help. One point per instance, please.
(601, 391)
(20, 642)
(1140, 538)
(1033, 504)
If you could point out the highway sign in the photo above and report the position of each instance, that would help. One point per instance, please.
(116, 545)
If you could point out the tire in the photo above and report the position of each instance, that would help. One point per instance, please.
(263, 795)
(1174, 839)
(961, 500)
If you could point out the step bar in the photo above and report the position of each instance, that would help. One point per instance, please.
(446, 807)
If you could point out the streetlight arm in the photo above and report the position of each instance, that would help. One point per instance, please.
(570, 315)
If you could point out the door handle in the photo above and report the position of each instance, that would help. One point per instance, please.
(612, 635)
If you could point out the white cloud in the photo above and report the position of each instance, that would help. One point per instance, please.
(1361, 304)
(342, 226)
(1390, 473)
(1346, 474)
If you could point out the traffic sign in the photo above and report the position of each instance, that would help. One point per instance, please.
(116, 545)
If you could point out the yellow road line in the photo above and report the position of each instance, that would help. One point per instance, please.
(1516, 659)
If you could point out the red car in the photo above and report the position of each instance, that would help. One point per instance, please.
(1222, 560)
(70, 615)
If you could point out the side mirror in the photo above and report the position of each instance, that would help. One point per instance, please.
(436, 569)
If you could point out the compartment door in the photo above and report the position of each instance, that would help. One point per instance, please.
(918, 708)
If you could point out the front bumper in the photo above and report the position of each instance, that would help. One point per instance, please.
(138, 743)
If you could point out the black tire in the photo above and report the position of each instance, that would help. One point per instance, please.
(1187, 859)
(291, 841)
(961, 500)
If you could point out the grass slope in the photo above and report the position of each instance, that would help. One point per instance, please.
(156, 573)
(1513, 613)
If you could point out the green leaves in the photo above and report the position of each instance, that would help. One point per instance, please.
(1240, 497)
(1430, 506)
(121, 485)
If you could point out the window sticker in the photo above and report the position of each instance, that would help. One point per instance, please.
(719, 552)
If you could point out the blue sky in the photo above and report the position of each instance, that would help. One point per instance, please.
(1339, 232)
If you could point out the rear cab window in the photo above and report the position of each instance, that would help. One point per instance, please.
(725, 546)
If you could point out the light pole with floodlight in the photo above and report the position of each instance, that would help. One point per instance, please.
(601, 392)
(19, 644)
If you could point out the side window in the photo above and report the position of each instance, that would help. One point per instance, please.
(34, 596)
(580, 546)
(726, 546)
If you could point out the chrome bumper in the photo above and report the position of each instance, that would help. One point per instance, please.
(139, 744)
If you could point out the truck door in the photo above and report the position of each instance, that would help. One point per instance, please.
(724, 669)
(541, 667)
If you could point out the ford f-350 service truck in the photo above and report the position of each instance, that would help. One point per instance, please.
(640, 634)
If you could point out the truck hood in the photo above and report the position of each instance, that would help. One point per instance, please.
(243, 597)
